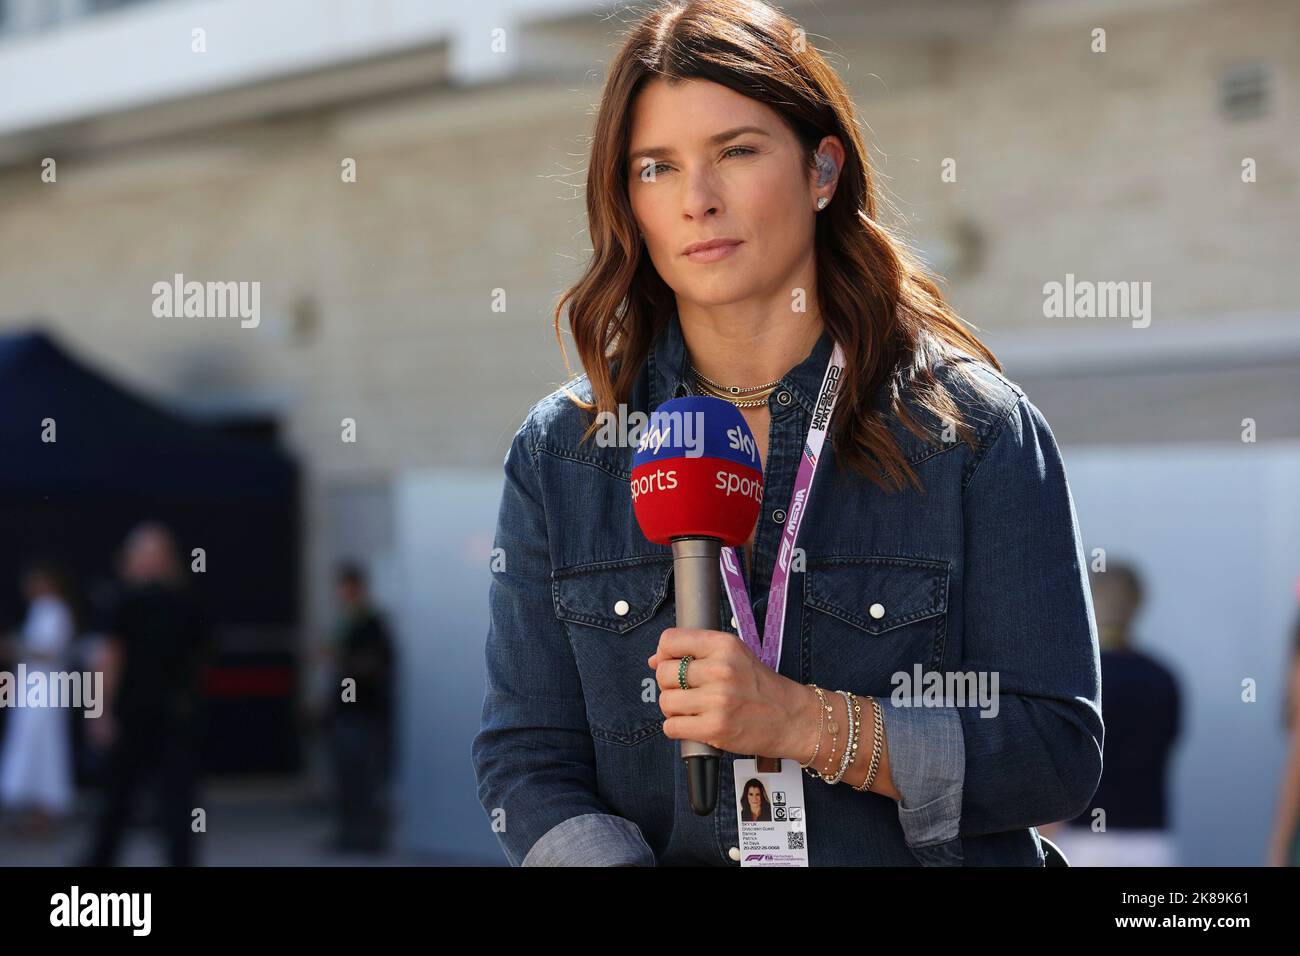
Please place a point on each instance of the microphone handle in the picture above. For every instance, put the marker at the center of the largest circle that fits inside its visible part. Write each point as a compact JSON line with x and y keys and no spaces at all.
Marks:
{"x":696,"y":580}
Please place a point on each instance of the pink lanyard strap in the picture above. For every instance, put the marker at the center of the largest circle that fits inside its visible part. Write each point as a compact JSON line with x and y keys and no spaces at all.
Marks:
{"x":769,"y":650}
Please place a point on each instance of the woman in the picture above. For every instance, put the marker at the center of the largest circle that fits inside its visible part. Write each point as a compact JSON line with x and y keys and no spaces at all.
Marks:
{"x":755,"y":806}
{"x":36,"y":761}
{"x":736,"y":252}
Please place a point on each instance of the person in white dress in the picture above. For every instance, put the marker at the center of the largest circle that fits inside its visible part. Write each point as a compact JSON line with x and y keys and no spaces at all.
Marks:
{"x":36,"y":751}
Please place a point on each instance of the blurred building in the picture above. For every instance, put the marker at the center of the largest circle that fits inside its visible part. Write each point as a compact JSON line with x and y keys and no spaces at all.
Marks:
{"x":211,"y":139}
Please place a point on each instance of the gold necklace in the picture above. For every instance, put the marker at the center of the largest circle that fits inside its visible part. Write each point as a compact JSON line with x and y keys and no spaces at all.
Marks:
{"x":753,"y":402}
{"x":755,"y":395}
{"x":733,"y":389}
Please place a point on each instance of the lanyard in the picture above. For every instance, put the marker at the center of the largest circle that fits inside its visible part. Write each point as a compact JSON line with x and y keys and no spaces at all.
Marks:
{"x":769,"y":650}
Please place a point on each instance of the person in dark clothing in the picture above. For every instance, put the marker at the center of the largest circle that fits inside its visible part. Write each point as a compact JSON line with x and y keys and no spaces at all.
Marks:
{"x":1140,"y":706}
{"x":157,"y":640}
{"x":1143,"y":705}
{"x":361,"y":717}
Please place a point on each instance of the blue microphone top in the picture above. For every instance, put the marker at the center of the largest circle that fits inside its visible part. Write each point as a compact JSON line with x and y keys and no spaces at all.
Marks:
{"x":697,"y":426}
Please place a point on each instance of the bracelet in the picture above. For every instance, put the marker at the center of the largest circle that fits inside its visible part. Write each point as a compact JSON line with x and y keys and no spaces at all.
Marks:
{"x":830,"y":759}
{"x":826,"y":715}
{"x":866,"y":783}
{"x":877,"y":743}
{"x":821,"y":722}
{"x":851,"y":744}
{"x":857,"y":728}
{"x":878,"y":734}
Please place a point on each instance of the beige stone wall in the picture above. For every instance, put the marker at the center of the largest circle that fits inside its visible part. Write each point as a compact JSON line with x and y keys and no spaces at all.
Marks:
{"x":1112,"y":166}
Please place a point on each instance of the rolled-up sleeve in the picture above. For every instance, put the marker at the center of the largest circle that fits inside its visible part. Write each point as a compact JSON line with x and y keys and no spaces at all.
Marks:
{"x":593,"y":839}
{"x":1035,"y":757}
{"x":533,"y":755}
{"x":928,"y":765}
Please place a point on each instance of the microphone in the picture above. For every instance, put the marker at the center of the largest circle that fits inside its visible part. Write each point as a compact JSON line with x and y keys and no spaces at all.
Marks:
{"x":697,"y":485}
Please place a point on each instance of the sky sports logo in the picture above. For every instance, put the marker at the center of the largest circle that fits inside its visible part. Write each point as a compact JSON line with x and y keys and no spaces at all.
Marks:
{"x":654,"y":439}
{"x":740,"y":440}
{"x":725,"y":481}
{"x":134,"y":910}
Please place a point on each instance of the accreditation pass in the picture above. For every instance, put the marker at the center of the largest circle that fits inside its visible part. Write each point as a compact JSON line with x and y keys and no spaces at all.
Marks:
{"x":771,"y":816}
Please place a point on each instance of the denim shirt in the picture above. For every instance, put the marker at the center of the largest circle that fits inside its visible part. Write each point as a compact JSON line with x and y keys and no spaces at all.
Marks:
{"x":982,"y":573}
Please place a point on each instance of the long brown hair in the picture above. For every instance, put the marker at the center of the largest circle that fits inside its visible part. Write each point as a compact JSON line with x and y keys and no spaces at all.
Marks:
{"x":877,"y":300}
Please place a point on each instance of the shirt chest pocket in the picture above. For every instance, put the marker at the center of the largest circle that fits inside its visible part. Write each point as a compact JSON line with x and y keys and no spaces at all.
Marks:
{"x":868,"y":618}
{"x":615,"y":612}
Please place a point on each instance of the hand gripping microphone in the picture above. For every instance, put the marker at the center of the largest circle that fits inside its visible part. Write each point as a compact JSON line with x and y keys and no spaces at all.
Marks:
{"x":697,"y":484}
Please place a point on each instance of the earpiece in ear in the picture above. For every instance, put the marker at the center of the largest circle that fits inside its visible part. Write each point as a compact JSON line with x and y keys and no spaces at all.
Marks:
{"x":826,"y":169}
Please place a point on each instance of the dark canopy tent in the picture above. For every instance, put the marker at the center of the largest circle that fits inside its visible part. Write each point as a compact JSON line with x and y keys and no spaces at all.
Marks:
{"x":117,"y":459}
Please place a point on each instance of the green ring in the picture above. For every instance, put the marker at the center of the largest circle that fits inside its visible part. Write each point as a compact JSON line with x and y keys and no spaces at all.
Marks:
{"x":681,"y":672}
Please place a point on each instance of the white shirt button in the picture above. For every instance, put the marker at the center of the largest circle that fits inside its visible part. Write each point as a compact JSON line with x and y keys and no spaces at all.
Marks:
{"x":621,"y":608}
{"x":734,"y":853}
{"x":733,"y":621}
{"x":877,"y":611}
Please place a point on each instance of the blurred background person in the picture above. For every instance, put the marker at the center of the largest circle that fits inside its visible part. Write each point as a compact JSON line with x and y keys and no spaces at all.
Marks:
{"x":156,"y":642}
{"x":360,"y":717}
{"x":35,"y":756}
{"x":1141,"y":710}
{"x":1284,"y":843}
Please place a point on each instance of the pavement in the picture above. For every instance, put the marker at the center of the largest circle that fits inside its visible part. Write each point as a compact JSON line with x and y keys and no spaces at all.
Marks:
{"x":272,"y":821}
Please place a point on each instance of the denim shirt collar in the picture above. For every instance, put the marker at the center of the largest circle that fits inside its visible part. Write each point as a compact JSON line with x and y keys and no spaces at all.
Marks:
{"x":668,"y":372}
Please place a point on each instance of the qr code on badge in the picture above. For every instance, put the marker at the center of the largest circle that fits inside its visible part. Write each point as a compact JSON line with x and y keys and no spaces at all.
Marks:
{"x":794,"y":840}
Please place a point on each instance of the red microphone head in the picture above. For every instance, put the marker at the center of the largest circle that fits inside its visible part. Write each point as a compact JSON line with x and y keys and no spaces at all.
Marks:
{"x":696,"y":473}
